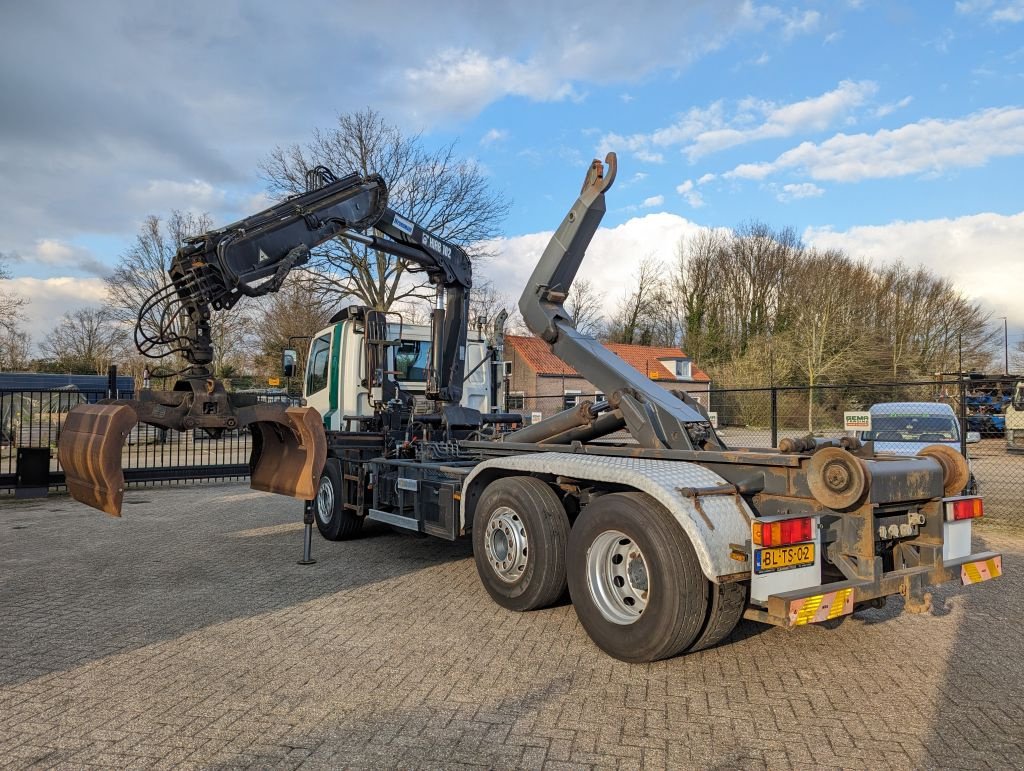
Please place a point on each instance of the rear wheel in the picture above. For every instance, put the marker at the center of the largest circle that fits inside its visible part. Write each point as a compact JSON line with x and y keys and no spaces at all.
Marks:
{"x":520,"y":530}
{"x":635,"y":580}
{"x":725,"y":609}
{"x":333,"y":520}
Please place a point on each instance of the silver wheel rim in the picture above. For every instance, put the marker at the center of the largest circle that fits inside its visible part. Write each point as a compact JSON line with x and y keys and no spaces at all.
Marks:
{"x":325,"y":501}
{"x":506,"y":544}
{"x":617,"y":577}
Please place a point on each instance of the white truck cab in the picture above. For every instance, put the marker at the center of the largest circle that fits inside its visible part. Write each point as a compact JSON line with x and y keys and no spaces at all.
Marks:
{"x":335,"y":378}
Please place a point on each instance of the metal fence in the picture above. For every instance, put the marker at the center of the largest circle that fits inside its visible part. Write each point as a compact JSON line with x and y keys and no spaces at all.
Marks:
{"x":761,"y":417}
{"x":33,"y":419}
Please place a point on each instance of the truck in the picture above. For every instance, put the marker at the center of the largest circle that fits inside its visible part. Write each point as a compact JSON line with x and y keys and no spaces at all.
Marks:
{"x":663,"y":541}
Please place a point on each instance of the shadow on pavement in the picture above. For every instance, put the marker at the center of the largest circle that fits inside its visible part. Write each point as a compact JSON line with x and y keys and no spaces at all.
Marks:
{"x":76,"y":585}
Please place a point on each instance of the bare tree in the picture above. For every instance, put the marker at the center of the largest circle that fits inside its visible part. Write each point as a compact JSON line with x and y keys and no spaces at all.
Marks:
{"x":297,"y":310}
{"x":15,"y":349}
{"x":87,"y":340}
{"x":644,"y":316}
{"x":826,"y":338}
{"x":448,"y":196}
{"x":584,"y":303}
{"x":697,"y":295}
{"x":11,"y":304}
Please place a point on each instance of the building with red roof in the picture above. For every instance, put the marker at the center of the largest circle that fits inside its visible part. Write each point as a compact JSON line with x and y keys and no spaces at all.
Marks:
{"x":541,"y":382}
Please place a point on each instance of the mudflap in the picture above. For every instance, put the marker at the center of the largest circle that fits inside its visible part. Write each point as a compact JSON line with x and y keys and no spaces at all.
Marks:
{"x":288,"y":453}
{"x":89,"y":451}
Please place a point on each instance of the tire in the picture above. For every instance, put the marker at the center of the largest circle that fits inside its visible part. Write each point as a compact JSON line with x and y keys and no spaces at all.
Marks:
{"x":333,"y":520}
{"x":520,"y":531}
{"x":725,"y":609}
{"x":655,"y":605}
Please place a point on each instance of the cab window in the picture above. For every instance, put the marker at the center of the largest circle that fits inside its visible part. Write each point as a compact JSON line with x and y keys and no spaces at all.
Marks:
{"x":319,"y":353}
{"x":412,"y":359}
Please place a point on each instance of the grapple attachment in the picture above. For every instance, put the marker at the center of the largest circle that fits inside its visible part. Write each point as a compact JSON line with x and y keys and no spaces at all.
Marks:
{"x":288,"y":454}
{"x":89,"y":451}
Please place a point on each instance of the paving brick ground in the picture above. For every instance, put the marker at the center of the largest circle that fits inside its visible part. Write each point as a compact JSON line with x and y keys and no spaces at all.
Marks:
{"x":184,"y":634}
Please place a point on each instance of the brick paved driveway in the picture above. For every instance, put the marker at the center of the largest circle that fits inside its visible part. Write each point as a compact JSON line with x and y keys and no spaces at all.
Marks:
{"x":185,"y":634}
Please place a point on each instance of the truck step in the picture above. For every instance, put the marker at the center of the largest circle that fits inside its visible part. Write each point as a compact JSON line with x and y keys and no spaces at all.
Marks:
{"x":388,"y":518}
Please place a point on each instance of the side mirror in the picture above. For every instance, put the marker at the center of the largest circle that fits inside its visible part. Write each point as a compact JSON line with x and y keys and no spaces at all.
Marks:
{"x":289,"y":359}
{"x":973,"y":437}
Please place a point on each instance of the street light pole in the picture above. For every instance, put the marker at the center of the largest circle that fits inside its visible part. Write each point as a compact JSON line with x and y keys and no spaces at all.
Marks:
{"x":1006,"y":349}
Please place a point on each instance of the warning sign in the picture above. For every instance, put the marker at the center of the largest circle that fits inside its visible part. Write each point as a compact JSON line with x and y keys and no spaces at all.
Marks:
{"x":857,"y":421}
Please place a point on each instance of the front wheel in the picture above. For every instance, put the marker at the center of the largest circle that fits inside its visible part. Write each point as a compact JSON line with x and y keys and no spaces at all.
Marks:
{"x":333,"y":520}
{"x":635,"y":580}
{"x":520,"y":530}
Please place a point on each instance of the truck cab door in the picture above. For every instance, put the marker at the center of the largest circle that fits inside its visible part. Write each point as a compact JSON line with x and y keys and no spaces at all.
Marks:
{"x":317,"y":388}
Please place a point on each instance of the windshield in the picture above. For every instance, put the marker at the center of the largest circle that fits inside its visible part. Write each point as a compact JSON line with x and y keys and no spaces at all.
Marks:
{"x":912,"y":428}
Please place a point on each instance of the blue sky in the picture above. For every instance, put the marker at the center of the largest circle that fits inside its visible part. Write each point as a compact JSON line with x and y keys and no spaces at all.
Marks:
{"x":892,"y":129}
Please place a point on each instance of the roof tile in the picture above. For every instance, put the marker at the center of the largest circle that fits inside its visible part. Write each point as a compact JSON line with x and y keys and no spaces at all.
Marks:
{"x":643,"y":358}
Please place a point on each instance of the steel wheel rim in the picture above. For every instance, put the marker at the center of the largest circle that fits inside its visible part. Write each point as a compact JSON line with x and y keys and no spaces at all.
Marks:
{"x":506,"y":544}
{"x":325,"y":501}
{"x":617,"y":577}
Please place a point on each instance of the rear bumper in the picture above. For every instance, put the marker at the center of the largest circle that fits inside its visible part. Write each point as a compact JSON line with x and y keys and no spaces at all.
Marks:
{"x":828,"y":601}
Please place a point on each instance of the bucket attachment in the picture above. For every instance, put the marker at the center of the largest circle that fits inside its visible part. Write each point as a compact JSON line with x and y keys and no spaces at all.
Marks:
{"x":288,"y":455}
{"x":89,"y":451}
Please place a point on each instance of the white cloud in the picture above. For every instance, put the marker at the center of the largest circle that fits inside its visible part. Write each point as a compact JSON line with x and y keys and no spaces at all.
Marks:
{"x":814,"y":114}
{"x":646,"y":156}
{"x":949,"y":247}
{"x":56,"y":254}
{"x":928,"y":146}
{"x":692,"y":197}
{"x":801,"y":24}
{"x":196,"y":195}
{"x":887,"y":109}
{"x":795,"y":191}
{"x":705,"y":178}
{"x":493,"y":136}
{"x":50,"y":298}
{"x":1006,"y":11}
{"x":610,"y":260}
{"x":654,"y":200}
{"x":708,"y":130}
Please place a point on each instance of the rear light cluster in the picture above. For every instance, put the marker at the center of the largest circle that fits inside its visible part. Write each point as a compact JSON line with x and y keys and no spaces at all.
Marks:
{"x":964,"y":508}
{"x":783,"y":532}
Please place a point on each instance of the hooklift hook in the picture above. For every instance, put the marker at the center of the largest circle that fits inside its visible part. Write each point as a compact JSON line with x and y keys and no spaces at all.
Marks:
{"x":307,"y":535}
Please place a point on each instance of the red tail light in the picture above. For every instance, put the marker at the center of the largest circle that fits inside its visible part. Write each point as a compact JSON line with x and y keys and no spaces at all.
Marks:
{"x":964,"y":508}
{"x":782,"y":532}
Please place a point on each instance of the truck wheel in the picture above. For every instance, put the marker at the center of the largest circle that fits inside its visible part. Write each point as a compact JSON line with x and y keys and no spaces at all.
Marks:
{"x":520,"y":530}
{"x":725,"y":609}
{"x":634,"y":579}
{"x":333,"y":520}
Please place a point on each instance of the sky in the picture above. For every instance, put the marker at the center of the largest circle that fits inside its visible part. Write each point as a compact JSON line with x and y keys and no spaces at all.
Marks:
{"x":894,"y":130}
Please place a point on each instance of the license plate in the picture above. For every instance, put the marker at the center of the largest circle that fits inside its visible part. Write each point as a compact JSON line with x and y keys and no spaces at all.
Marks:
{"x":783,"y":557}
